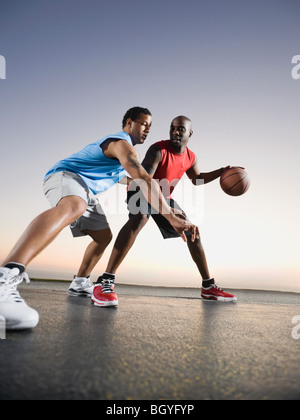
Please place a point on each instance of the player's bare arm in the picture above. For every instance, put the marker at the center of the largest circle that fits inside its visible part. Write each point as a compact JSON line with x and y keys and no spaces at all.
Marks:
{"x":125,"y":181}
{"x":152,"y":159}
{"x":198,"y":178}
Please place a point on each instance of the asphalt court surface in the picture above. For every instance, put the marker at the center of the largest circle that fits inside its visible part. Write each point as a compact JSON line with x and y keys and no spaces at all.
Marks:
{"x":158,"y":344}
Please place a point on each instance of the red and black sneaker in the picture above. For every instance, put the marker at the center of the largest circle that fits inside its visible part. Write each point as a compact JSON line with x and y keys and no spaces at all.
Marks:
{"x":215,"y":293}
{"x":104,"y":295}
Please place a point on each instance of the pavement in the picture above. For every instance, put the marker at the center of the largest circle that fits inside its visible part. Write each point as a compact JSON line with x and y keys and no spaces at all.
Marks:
{"x":159,"y":344}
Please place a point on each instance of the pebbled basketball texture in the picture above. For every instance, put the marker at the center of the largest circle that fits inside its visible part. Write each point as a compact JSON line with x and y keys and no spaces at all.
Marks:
{"x":235,"y":181}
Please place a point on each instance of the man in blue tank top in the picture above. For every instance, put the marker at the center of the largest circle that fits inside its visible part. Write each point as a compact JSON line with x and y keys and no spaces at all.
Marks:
{"x":97,"y":171}
{"x":71,"y":187}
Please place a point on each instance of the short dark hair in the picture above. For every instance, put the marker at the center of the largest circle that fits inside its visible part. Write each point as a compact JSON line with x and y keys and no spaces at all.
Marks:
{"x":134,"y":114}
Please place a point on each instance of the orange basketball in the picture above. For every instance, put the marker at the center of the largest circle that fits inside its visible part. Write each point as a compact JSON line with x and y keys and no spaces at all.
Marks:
{"x":235,"y":181}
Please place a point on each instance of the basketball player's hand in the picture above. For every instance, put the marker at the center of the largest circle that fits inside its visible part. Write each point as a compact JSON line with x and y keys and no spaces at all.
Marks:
{"x":182,"y":226}
{"x":194,"y":231}
{"x":231,"y":167}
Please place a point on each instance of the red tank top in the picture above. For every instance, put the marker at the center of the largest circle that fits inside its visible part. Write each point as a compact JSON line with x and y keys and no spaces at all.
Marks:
{"x":172,"y":167}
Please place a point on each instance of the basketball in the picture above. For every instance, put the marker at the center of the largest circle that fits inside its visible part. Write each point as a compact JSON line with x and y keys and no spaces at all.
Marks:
{"x":235,"y":181}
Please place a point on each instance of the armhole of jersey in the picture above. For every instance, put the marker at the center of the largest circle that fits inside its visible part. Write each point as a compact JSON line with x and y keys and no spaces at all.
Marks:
{"x":111,"y":139}
{"x":195,"y":158}
{"x":162,"y":150}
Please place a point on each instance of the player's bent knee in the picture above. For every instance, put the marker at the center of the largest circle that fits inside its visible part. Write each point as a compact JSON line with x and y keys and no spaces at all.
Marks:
{"x":140,"y":220}
{"x":108,"y":237}
{"x":101,"y":237}
{"x":73,"y":206}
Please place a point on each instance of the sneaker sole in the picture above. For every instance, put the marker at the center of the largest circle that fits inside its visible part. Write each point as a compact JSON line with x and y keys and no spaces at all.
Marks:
{"x":73,"y":293}
{"x":219,"y":299}
{"x":105,"y":304}
{"x":22,"y":325}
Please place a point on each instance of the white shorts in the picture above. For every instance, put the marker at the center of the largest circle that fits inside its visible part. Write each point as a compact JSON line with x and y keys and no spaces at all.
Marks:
{"x":64,"y":184}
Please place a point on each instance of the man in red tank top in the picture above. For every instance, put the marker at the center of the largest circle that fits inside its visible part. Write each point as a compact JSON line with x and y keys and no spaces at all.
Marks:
{"x":172,"y":165}
{"x":167,"y":161}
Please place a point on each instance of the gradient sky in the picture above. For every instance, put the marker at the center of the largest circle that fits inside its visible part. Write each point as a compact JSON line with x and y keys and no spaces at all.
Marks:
{"x":75,"y":66}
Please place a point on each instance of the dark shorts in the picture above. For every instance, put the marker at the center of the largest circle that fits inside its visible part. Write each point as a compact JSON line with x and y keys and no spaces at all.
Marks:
{"x":137,"y":204}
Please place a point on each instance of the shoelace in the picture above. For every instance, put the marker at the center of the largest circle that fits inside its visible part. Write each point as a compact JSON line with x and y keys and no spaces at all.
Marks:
{"x":9,"y":280}
{"x":107,"y":286}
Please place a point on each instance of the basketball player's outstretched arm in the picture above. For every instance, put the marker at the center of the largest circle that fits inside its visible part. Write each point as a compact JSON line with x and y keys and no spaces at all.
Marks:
{"x":200,"y":178}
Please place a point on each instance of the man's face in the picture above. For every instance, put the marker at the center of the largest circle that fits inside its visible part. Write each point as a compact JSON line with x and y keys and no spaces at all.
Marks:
{"x":140,"y":129}
{"x":180,"y":132}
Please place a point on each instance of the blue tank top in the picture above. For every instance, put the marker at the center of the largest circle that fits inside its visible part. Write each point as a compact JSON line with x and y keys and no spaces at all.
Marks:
{"x":98,"y":171}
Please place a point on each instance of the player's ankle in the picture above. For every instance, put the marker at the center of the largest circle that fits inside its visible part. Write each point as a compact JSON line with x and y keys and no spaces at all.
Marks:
{"x":12,"y":265}
{"x":106,"y":276}
{"x":208,"y":283}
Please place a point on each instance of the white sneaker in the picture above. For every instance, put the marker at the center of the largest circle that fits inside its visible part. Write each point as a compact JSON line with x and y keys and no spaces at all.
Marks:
{"x":81,"y":286}
{"x":16,"y":313}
